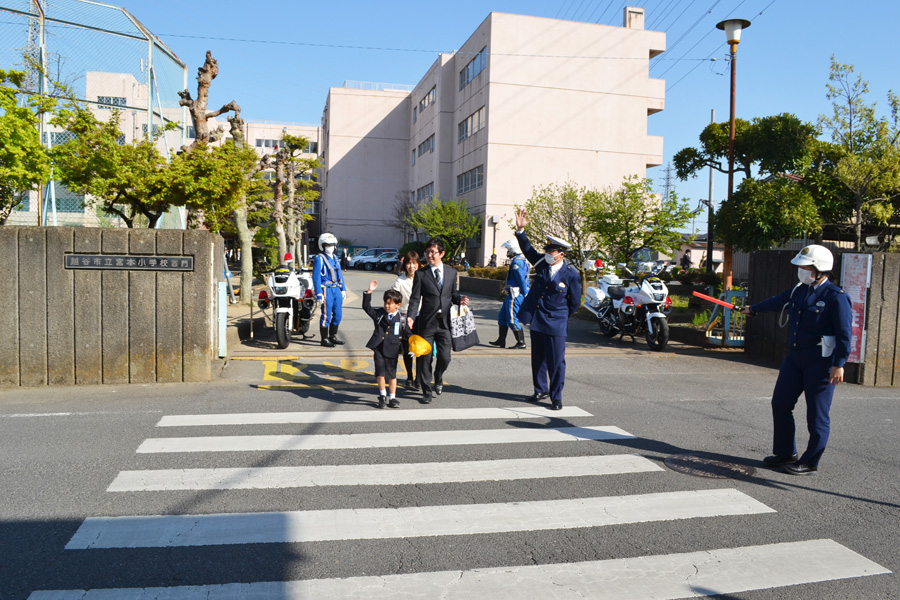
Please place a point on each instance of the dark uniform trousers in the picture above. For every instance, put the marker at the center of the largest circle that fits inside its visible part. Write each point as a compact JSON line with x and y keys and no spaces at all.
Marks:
{"x":548,"y":360}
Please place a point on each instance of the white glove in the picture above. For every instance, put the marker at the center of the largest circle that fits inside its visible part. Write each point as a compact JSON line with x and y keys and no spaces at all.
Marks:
{"x":320,"y":298}
{"x":411,"y":355}
{"x":343,"y":294}
{"x":514,"y":292}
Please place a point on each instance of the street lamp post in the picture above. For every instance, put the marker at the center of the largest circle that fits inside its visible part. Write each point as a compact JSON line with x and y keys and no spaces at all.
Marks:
{"x":732,"y":29}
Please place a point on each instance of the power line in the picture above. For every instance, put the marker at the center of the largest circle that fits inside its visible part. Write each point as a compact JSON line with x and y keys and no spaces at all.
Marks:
{"x":561,"y":8}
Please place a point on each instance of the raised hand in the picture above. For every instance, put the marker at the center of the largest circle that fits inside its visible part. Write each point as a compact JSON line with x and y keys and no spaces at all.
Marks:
{"x":521,"y":219}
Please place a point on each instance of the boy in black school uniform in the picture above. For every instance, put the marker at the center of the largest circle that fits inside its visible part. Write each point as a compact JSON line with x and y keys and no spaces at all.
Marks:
{"x":390,"y":329}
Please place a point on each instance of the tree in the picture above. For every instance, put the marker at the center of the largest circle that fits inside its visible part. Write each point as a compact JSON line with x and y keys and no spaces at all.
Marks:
{"x":289,"y":164}
{"x":24,"y":163}
{"x":564,"y":210}
{"x":763,"y":214}
{"x":449,"y":221}
{"x":633,"y":217}
{"x":868,"y":163}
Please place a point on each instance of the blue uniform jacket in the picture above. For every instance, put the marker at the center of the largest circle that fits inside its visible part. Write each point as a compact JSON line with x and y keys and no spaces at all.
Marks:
{"x":518,"y":275}
{"x":322,"y":275}
{"x":813,"y":313}
{"x":549,"y":304}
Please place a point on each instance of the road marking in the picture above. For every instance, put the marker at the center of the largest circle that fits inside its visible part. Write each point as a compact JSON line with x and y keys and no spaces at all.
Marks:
{"x":249,"y":443}
{"x":414,"y":521}
{"x":369,"y":416}
{"x":378,"y":474}
{"x":78,"y":414}
{"x":659,"y":577}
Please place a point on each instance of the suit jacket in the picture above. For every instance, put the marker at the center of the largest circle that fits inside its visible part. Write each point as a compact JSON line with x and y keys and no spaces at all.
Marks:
{"x":425,"y":288}
{"x":549,"y":303}
{"x":387,"y":335}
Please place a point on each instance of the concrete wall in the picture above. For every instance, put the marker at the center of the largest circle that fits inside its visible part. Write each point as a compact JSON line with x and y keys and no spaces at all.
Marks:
{"x":72,"y":326}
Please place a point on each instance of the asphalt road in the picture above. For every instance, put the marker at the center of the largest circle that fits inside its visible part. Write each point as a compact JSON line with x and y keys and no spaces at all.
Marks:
{"x":65,"y":453}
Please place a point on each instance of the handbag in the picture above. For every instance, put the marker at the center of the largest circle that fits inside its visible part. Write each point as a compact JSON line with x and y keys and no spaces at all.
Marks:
{"x":462,"y":329}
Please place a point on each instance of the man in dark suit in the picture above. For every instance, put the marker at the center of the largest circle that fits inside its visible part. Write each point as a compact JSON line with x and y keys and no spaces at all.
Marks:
{"x":554,"y":296}
{"x":435,"y":286}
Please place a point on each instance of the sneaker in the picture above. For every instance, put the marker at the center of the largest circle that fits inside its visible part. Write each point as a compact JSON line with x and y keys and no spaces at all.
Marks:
{"x":382,"y":401}
{"x":394,"y":403}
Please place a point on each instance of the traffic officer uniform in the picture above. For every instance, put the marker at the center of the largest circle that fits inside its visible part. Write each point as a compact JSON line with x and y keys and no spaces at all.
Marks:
{"x":328,"y":282}
{"x":516,"y":290}
{"x":819,"y":339}
{"x":552,"y":299}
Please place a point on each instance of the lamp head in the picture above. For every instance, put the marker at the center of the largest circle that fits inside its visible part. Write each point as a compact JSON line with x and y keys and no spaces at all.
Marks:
{"x":732,"y":29}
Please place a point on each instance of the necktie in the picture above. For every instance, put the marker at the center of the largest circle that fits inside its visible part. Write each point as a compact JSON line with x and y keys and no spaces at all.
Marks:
{"x":438,"y":277}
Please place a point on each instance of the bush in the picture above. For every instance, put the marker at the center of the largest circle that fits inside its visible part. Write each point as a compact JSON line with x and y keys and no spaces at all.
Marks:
{"x":413,"y":246}
{"x":499,"y":273}
{"x":713,"y":279}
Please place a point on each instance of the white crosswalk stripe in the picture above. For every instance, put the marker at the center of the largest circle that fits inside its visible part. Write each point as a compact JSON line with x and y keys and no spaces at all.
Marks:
{"x":660,"y":577}
{"x":258,"y":443}
{"x":378,"y":474}
{"x":680,"y":575}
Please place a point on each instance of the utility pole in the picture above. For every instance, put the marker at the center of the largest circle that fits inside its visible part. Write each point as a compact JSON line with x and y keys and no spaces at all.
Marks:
{"x":709,"y":227}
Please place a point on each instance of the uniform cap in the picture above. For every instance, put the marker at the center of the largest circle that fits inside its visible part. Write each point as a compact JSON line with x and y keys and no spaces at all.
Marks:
{"x":555,"y":243}
{"x":816,"y":256}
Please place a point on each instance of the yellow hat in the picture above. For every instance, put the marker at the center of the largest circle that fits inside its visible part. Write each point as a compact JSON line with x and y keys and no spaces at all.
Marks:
{"x":418,"y":345}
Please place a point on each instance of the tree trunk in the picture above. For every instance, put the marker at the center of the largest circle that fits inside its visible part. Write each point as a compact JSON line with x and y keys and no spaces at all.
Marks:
{"x":245,"y":238}
{"x":278,"y":210}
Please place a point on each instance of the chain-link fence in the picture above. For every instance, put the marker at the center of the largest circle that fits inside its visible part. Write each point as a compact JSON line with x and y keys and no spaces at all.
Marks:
{"x":108,"y":60}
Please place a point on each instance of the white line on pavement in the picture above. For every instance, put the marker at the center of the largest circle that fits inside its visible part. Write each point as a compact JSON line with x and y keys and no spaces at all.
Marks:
{"x":377,"y":474}
{"x":415,"y":521}
{"x":658,"y":577}
{"x":369,"y":416}
{"x":248,"y":443}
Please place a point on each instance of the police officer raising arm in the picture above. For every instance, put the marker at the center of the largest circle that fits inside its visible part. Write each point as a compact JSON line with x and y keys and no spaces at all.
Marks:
{"x":819,"y":345}
{"x":554,"y":296}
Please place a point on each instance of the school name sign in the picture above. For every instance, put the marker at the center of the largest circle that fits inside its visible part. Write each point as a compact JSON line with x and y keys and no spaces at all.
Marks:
{"x":129,"y":262}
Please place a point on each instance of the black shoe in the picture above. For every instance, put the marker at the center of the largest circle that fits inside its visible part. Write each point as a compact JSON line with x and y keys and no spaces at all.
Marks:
{"x":556,"y":405}
{"x":498,"y":343}
{"x":327,"y":343}
{"x":778,"y":460}
{"x":438,"y":388}
{"x":426,"y":399}
{"x":799,"y":468}
{"x":520,"y":339}
{"x":410,"y":384}
{"x":332,"y":335}
{"x":394,"y":403}
{"x":382,"y":401}
{"x":535,"y":397}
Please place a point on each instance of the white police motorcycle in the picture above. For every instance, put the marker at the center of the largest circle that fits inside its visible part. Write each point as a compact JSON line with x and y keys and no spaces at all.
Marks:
{"x":632,"y":310}
{"x":291,"y":297}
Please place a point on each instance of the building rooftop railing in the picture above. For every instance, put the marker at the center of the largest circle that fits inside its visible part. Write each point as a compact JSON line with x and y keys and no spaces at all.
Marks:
{"x":377,"y":87}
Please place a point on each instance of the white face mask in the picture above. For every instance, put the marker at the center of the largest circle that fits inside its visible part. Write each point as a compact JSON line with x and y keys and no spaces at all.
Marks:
{"x":805,"y":276}
{"x":551,"y":260}
{"x":329,"y":250}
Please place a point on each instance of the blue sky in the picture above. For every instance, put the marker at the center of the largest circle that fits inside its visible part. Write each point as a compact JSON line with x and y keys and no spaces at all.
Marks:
{"x":277,"y":59}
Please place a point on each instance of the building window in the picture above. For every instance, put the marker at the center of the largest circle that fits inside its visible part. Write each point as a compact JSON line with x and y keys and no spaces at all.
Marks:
{"x":110,"y":102}
{"x":24,"y":202}
{"x":192,"y":132}
{"x":470,"y":180}
{"x":57,"y":138}
{"x":427,"y":100}
{"x":312,"y":148}
{"x":413,"y":158}
{"x":156,"y":130}
{"x":474,"y":123}
{"x":415,"y":109}
{"x":475,"y":66}
{"x":426,"y":192}
{"x":427,"y":145}
{"x":259,"y":143}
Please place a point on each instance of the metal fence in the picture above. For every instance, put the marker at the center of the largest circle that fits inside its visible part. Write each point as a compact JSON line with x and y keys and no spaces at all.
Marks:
{"x":109,"y":60}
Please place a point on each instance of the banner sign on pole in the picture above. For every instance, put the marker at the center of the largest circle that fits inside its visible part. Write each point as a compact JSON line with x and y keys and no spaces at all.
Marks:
{"x":856,"y":277}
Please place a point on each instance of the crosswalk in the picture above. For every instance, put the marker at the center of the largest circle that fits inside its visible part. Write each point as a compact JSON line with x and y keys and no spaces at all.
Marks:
{"x":701,"y":572}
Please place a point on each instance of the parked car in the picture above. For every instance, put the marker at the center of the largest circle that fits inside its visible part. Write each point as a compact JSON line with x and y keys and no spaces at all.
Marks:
{"x":388,"y":261}
{"x":367,"y":259}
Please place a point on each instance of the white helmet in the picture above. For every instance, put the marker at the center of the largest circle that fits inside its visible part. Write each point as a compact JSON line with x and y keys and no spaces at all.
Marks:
{"x":327,"y":239}
{"x":815,"y":256}
{"x":512,"y":247}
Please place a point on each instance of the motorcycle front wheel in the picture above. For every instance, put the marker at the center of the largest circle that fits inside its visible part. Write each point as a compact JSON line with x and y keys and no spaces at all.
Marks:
{"x":606,"y":323}
{"x":660,"y":336}
{"x":282,"y":335}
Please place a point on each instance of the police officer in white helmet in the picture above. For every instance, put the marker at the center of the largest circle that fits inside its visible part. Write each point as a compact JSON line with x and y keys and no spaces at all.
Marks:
{"x":328,"y":283}
{"x":516,"y":290}
{"x":819,"y":345}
